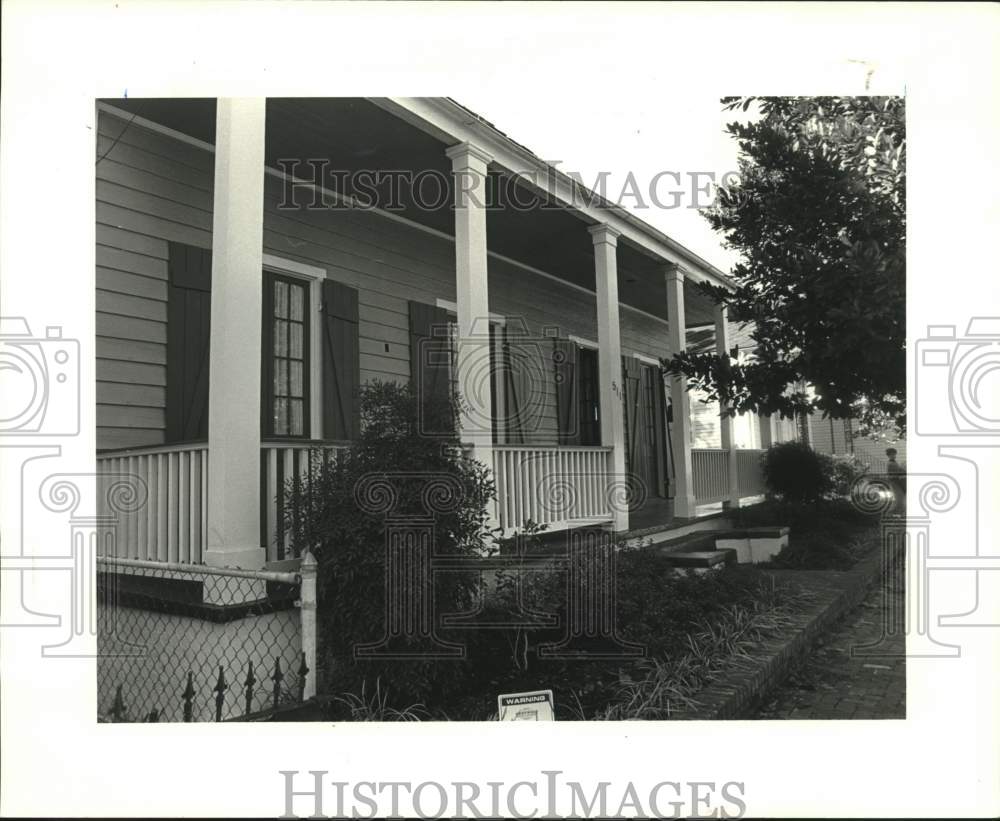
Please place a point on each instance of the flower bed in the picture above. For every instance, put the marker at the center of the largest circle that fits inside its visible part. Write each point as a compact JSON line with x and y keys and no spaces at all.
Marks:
{"x":690,"y":627}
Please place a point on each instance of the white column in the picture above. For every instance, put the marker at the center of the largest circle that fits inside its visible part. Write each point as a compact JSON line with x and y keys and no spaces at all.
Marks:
{"x":610,"y":363}
{"x":469,"y":165}
{"x":684,"y":504}
{"x":234,"y":375}
{"x":726,"y":422}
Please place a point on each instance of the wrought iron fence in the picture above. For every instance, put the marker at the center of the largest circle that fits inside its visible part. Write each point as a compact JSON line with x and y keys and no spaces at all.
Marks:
{"x":192,"y":643}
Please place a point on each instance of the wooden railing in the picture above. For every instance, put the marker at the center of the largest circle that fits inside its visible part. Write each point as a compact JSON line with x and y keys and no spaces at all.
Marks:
{"x":281,"y":461}
{"x":551,"y":485}
{"x":710,"y":474}
{"x":750,"y":476}
{"x":163,"y":517}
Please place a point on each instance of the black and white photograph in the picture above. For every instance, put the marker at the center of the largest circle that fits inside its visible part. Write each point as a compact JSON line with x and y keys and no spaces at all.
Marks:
{"x":488,"y":364}
{"x":492,"y":430}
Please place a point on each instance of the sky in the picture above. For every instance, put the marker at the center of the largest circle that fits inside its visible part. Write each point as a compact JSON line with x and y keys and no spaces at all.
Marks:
{"x":639,"y":135}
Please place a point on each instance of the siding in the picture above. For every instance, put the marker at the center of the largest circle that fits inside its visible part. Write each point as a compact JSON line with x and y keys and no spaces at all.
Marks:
{"x":152,"y":189}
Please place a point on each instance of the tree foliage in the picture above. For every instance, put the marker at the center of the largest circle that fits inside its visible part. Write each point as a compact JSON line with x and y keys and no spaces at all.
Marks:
{"x":818,"y":215}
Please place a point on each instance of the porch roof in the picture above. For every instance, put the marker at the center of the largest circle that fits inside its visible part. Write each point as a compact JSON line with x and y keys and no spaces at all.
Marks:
{"x":357,"y":134}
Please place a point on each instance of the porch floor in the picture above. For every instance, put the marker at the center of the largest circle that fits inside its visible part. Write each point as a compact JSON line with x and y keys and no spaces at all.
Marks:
{"x":654,"y":512}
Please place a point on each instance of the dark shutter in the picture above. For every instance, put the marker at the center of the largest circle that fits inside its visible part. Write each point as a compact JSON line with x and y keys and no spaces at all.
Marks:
{"x":341,"y":368}
{"x":630,"y":401}
{"x":668,"y":418}
{"x":564,"y":358}
{"x":659,"y":413}
{"x":189,"y":314}
{"x":429,"y":363}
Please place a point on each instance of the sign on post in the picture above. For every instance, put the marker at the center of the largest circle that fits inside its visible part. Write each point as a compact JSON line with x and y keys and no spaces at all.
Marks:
{"x":537,"y":705}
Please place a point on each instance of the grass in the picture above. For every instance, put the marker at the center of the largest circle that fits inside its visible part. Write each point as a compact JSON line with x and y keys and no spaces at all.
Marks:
{"x":361,"y":707}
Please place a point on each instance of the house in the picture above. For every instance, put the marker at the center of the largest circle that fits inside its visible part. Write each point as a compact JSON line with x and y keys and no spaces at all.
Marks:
{"x":258,"y":260}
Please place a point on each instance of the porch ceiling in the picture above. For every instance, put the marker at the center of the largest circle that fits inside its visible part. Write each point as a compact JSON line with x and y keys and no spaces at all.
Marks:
{"x":354,"y":135}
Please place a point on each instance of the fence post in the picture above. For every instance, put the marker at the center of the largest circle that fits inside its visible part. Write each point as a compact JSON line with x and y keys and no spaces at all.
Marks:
{"x":307,"y":598}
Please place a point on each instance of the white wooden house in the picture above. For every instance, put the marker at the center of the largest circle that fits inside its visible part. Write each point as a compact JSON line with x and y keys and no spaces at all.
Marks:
{"x":239,"y":309}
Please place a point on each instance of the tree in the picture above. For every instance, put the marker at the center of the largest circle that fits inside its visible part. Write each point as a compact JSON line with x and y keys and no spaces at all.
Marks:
{"x":818,"y":214}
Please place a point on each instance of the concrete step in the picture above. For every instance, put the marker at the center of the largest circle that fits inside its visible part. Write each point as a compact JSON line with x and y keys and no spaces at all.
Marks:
{"x":702,"y":561}
{"x":702,"y":540}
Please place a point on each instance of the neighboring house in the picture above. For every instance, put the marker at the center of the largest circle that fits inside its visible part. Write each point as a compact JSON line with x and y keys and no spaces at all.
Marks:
{"x":839,"y":437}
{"x":237,"y":314}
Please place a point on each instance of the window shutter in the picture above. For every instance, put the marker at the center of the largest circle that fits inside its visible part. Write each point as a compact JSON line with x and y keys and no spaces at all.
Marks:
{"x":341,"y":368}
{"x":670,"y":471}
{"x":513,"y":387}
{"x":567,"y":391}
{"x":430,"y":357}
{"x":659,"y":411}
{"x":631,"y":378}
{"x":189,"y":314}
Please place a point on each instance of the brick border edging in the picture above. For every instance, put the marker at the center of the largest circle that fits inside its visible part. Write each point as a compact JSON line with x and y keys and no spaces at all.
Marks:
{"x":744,"y":688}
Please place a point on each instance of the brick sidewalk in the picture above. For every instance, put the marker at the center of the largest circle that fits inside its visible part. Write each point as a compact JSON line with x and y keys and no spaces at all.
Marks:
{"x":833,"y":684}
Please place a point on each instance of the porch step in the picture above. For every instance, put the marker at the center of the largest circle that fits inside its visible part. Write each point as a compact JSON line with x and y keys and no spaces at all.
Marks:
{"x":702,"y":561}
{"x":753,"y":533}
{"x":674,"y":531}
{"x":753,"y":544}
{"x":699,"y":541}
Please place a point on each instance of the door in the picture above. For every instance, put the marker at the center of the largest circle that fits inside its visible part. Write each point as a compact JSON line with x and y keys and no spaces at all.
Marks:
{"x":645,"y":429}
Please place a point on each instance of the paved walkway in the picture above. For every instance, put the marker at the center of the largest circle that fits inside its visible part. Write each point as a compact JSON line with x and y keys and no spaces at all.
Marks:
{"x":832,"y":683}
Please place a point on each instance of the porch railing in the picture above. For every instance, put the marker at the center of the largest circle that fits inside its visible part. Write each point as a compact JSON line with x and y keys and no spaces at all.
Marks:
{"x":710,"y":474}
{"x":281,"y":461}
{"x":749,"y":472}
{"x":164,"y":518}
{"x":551,"y":485}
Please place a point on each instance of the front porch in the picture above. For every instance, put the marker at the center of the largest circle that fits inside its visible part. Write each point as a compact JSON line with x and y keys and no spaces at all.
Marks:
{"x":216,"y":386}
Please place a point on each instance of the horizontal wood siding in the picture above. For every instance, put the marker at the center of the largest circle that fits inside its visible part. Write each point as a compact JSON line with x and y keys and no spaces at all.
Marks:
{"x":152,"y":189}
{"x":706,"y":428}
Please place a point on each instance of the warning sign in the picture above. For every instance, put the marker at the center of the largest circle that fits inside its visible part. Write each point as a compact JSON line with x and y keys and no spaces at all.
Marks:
{"x":534,"y":706}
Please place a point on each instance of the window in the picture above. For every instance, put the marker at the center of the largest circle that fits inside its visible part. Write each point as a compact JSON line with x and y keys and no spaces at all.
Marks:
{"x":590,"y":401}
{"x":285,"y":359}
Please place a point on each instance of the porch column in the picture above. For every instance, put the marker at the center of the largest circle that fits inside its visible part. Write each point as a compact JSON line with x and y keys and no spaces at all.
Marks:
{"x":684,"y":503}
{"x":469,"y":165}
{"x":610,"y":362}
{"x":726,"y":422}
{"x":234,"y":358}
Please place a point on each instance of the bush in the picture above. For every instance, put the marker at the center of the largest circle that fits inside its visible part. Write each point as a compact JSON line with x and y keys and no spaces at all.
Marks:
{"x":795,"y":472}
{"x":843,"y":472}
{"x":329,"y":516}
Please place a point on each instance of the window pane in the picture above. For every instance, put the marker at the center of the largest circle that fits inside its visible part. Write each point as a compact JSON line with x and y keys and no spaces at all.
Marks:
{"x":295,"y":423}
{"x":295,"y":379}
{"x":280,"y":337}
{"x":280,"y":377}
{"x":281,"y":416}
{"x":280,"y":298}
{"x":295,"y":340}
{"x":296,"y":298}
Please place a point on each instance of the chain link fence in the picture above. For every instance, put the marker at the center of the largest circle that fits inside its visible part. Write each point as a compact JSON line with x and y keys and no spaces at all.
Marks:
{"x":193,"y":643}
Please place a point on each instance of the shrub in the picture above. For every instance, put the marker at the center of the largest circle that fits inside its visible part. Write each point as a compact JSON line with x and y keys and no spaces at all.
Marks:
{"x":795,"y":472}
{"x":843,"y":472}
{"x":329,"y":515}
